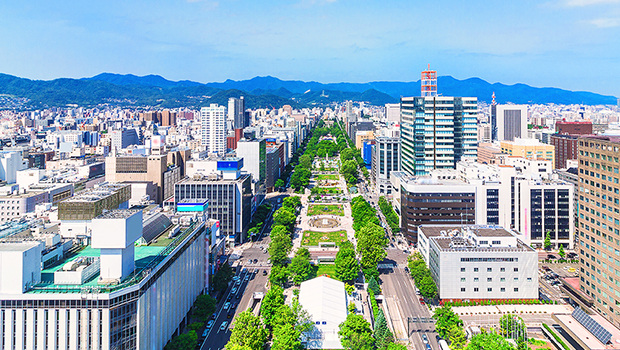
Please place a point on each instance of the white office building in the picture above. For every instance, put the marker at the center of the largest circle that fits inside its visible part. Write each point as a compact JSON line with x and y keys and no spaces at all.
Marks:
{"x":385,"y":159}
{"x":511,"y":122}
{"x":479,"y":262}
{"x":120,"y":296}
{"x":10,"y":163}
{"x":213,"y":128}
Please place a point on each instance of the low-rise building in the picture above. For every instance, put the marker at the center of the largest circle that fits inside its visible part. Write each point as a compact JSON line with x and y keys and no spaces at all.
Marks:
{"x":479,"y":262}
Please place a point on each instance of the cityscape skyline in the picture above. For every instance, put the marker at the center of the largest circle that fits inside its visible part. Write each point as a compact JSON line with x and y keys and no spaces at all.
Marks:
{"x":329,"y":41}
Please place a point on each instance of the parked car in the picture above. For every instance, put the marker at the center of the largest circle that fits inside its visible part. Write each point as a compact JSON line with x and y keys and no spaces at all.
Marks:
{"x":234,"y":290}
{"x":422,"y":301}
{"x":255,"y":261}
{"x":226,"y":305}
{"x":223,"y":326}
{"x":210,"y":324}
{"x":205,"y":333}
{"x":264,"y":272}
{"x":424,"y":339}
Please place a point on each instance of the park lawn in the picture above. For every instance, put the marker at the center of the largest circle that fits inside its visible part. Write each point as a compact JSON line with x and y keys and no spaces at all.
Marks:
{"x":326,"y":190}
{"x":312,"y":238}
{"x":325,"y":269}
{"x":327,"y":177}
{"x":319,"y":209}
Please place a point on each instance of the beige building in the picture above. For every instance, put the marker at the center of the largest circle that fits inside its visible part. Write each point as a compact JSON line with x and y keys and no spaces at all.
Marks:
{"x":362,"y":136}
{"x":529,"y":149}
{"x":144,"y":169}
{"x":599,"y":223}
{"x":488,"y":153}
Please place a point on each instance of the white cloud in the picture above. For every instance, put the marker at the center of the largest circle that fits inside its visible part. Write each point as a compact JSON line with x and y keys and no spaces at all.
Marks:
{"x":605,"y":22}
{"x":580,"y":3}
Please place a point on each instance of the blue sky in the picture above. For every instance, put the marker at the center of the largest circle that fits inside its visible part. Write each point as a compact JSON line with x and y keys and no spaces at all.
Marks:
{"x":570,"y":44}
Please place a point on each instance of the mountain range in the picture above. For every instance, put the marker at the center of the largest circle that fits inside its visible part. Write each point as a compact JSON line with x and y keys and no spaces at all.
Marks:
{"x":267,"y":92}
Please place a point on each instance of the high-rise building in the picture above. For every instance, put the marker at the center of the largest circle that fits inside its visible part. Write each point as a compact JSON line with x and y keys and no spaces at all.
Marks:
{"x":213,"y":128}
{"x":437,"y":132}
{"x":511,"y":122}
{"x":229,"y":195}
{"x":236,"y":112}
{"x":392,"y":112}
{"x":599,"y":223}
{"x":168,"y":118}
{"x":493,"y":119}
{"x":253,"y":153}
{"x":565,"y":147}
{"x":385,"y":159}
{"x":124,"y":138}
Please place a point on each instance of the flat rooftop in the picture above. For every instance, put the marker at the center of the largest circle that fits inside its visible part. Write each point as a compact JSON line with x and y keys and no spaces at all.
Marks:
{"x":462,"y":245}
{"x":568,"y":322}
{"x":95,"y":194}
{"x":147,"y":258}
{"x":117,"y":214}
{"x":480,"y":231}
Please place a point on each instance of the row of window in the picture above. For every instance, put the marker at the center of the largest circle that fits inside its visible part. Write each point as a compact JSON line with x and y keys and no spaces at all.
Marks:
{"x":490,"y":289}
{"x":490,"y":279}
{"x":489,"y":269}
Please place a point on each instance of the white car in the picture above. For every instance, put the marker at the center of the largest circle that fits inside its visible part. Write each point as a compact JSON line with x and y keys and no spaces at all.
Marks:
{"x":223,"y":326}
{"x":226,"y":305}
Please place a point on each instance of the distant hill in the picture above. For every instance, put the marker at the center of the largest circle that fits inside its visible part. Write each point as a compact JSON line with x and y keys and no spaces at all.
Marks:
{"x":266,"y":92}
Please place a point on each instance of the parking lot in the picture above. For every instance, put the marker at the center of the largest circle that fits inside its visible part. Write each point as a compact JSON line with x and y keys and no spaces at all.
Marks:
{"x":550,"y":272}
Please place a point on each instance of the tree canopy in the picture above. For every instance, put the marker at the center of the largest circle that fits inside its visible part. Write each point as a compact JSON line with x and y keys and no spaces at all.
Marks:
{"x":248,"y":330}
{"x":355,"y":333}
{"x":347,"y":266}
{"x":300,"y":268}
{"x":270,"y":304}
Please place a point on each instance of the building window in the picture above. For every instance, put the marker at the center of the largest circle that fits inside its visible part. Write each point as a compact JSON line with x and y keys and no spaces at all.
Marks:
{"x":475,"y":289}
{"x":475,"y":279}
{"x":529,"y":279}
{"x":496,"y":242}
{"x":489,"y":269}
{"x":462,"y":289}
{"x":516,"y":269}
{"x":502,"y":290}
{"x":462,"y":279}
{"x":475,"y":269}
{"x":502,"y":279}
{"x":516,"y":289}
{"x":489,"y":289}
{"x":462,"y":269}
{"x":489,"y":279}
{"x":516,"y":279}
{"x":503,"y":269}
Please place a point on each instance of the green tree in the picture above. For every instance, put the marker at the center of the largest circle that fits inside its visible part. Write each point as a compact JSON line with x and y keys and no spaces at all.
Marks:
{"x":457,"y":337}
{"x":351,"y":308}
{"x":285,"y":217}
{"x":222,"y":277}
{"x":286,"y":337}
{"x":346,"y":154}
{"x":305,"y":161}
{"x":347,"y":267}
{"x":279,"y":247}
{"x":185,"y":341}
{"x":195,"y":326}
{"x":300,"y":268}
{"x":395,"y":346}
{"x":271,"y":302}
{"x":355,"y":333}
{"x":204,"y":307}
{"x":489,"y":341}
{"x":512,"y":326}
{"x":383,"y":335}
{"x":371,"y":243}
{"x":292,"y":202}
{"x":561,"y":252}
{"x":547,"y":244}
{"x":278,"y":275}
{"x":279,"y":183}
{"x":445,"y":318}
{"x":427,"y":286}
{"x":373,"y":285}
{"x":248,"y":331}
